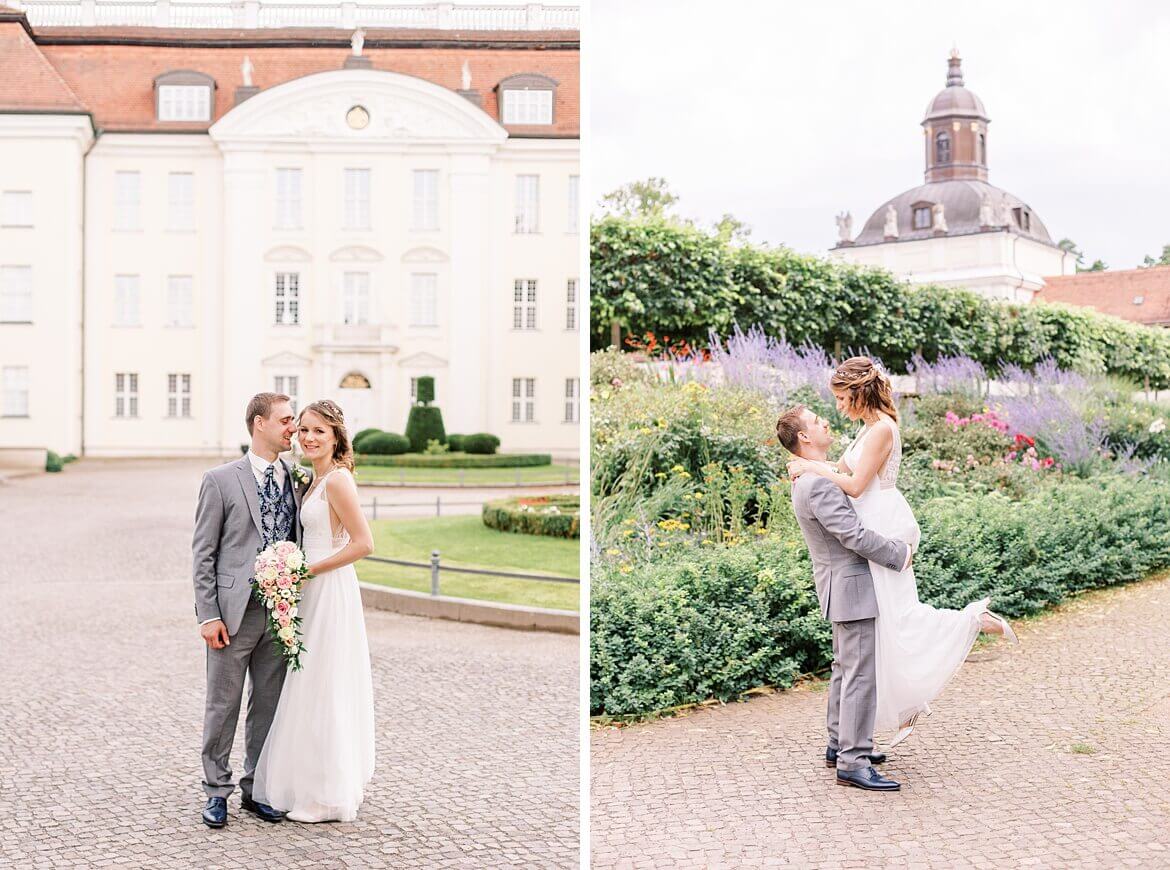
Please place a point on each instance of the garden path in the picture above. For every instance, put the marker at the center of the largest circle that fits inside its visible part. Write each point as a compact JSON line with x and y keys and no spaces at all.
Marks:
{"x":1050,"y":754}
{"x":101,"y":688}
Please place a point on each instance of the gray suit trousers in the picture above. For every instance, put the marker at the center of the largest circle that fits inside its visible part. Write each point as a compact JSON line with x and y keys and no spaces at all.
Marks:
{"x":853,"y":693}
{"x":251,"y":652}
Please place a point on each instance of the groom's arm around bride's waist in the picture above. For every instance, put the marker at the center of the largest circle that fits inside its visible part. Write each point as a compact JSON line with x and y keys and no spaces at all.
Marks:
{"x":835,"y":513}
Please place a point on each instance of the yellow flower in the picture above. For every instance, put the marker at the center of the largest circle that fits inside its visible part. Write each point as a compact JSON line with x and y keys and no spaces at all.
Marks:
{"x":612,"y":552}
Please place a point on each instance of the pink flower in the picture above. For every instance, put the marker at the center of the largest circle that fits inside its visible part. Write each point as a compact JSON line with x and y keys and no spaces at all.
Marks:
{"x":285,"y":547}
{"x":284,"y":619}
{"x":282,"y":607}
{"x":284,"y":581}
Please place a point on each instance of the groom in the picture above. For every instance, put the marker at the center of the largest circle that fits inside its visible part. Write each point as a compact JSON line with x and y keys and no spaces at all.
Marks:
{"x":841,"y":550}
{"x":244,"y":506}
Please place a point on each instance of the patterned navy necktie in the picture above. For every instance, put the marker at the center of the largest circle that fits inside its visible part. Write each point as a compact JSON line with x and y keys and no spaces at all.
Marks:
{"x":269,"y":499}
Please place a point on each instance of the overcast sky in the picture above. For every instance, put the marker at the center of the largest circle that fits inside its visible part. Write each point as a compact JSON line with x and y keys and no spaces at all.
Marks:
{"x":785,"y":113}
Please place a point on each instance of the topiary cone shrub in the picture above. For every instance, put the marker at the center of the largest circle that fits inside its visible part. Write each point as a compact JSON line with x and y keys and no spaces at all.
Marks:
{"x":425,"y":422}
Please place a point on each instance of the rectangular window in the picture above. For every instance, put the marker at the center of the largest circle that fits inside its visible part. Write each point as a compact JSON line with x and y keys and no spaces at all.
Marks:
{"x":572,"y":400}
{"x":288,"y":199}
{"x":571,"y":304}
{"x":181,"y":201}
{"x":424,"y":300}
{"x":355,"y":294}
{"x":527,"y":203}
{"x":574,"y":203}
{"x":524,"y":303}
{"x":922,"y":216}
{"x":426,"y":199}
{"x":16,"y":300}
{"x":357,"y":199}
{"x":15,"y":392}
{"x":126,"y":300}
{"x":288,"y":385}
{"x":528,"y":107}
{"x":16,"y":208}
{"x":178,"y":395}
{"x":523,"y":400}
{"x":126,"y":394}
{"x":180,"y":300}
{"x":184,"y":103}
{"x":288,"y":298}
{"x":127,"y":194}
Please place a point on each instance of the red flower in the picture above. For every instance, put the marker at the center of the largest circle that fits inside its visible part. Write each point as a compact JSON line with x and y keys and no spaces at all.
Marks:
{"x":1021,"y":438}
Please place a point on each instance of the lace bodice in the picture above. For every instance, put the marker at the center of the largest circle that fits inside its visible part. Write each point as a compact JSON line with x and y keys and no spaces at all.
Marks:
{"x":887,"y":476}
{"x":316,"y":520}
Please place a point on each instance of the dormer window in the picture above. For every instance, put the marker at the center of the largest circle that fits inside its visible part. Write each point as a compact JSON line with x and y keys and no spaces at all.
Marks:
{"x":942,"y":147}
{"x":1023,"y":219}
{"x":527,"y":100}
{"x":923,"y":216}
{"x":183,"y":95}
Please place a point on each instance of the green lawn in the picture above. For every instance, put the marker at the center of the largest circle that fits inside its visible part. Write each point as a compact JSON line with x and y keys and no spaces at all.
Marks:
{"x":467,"y":543}
{"x":469,"y":476}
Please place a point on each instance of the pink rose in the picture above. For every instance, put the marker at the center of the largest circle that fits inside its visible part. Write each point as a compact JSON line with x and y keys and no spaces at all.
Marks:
{"x":284,"y":619}
{"x":284,"y":581}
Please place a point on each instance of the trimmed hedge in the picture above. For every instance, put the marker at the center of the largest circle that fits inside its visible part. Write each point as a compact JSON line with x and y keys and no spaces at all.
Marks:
{"x":557,"y":516}
{"x":362,"y":435}
{"x":457,"y":460}
{"x":455,"y":442}
{"x":481,"y":442}
{"x":385,"y":444}
{"x":424,"y":424}
{"x":714,"y":622}
{"x":653,"y":275}
{"x":53,"y":462}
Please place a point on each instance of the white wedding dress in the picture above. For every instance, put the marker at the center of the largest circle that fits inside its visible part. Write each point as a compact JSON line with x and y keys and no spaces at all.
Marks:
{"x":319,"y":754}
{"x":919,"y":647}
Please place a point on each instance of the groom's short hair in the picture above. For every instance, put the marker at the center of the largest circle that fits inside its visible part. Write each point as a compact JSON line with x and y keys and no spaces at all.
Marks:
{"x":261,"y":406}
{"x":788,"y":426}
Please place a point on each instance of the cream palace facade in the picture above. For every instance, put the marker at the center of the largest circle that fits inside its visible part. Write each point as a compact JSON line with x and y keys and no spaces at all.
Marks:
{"x":246,"y":214}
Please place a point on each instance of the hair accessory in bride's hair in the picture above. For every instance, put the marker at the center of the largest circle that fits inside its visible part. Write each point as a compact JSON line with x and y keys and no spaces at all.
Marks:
{"x":332,"y":407}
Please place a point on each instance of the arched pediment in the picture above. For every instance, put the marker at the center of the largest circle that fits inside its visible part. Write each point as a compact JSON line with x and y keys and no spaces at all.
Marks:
{"x":355,"y":254}
{"x":401,"y":108}
{"x":287,"y":254}
{"x":424,"y":254}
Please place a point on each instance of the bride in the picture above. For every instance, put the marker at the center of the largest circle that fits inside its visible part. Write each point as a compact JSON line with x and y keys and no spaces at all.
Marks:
{"x":919,"y":647}
{"x":319,"y":754}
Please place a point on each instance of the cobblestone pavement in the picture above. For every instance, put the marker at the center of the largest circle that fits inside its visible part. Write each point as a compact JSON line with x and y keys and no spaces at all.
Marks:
{"x":1051,"y":754}
{"x":101,"y":707}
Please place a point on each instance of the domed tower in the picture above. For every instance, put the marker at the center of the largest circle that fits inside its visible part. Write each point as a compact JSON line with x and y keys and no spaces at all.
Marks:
{"x":956,"y":130}
{"x":957,"y":228}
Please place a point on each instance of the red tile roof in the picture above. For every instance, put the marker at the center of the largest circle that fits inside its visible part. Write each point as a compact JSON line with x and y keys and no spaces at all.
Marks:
{"x":111,"y":70}
{"x":1115,"y":293}
{"x":27,"y":79}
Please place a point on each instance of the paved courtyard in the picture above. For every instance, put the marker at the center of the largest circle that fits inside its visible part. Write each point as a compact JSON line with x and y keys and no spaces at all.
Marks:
{"x":1052,"y":754}
{"x":101,"y":706}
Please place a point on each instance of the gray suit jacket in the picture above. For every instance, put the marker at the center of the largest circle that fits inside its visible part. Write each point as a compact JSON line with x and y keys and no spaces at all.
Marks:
{"x":841,"y":549}
{"x":226,"y":540}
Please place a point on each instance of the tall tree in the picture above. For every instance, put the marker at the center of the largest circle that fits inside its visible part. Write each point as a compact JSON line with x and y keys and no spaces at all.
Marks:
{"x":650,"y":198}
{"x":1163,"y":260}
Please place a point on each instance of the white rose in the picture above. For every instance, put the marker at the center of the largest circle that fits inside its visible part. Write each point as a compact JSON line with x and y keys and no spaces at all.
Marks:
{"x":294,"y":561}
{"x":285,"y":633}
{"x":270,"y":573}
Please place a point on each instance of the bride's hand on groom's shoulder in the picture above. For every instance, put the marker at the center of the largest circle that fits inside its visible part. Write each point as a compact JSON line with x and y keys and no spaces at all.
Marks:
{"x":797,"y":467}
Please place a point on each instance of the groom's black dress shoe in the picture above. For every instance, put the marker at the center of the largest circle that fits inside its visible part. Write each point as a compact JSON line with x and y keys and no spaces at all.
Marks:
{"x":263,"y":811}
{"x":874,"y":758}
{"x":215,"y":813}
{"x":866,"y":778}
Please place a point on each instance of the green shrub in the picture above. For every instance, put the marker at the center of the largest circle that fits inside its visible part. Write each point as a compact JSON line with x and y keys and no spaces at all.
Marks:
{"x":69,"y":457}
{"x":435,"y":447}
{"x":657,"y":276}
{"x":455,"y":443}
{"x":557,"y":516}
{"x":424,"y":424}
{"x":480,"y":442}
{"x":713,"y":621}
{"x":426,"y":390}
{"x":385,"y":444}
{"x":456,"y":460}
{"x":53,"y":462}
{"x":360,"y":437}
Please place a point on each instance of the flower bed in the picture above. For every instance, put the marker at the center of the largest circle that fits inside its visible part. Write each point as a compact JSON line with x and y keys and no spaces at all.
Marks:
{"x":456,"y":460}
{"x":557,"y":516}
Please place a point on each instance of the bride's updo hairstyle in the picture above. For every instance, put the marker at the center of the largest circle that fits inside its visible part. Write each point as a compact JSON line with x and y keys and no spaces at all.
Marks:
{"x":335,"y":419}
{"x":865,"y":384}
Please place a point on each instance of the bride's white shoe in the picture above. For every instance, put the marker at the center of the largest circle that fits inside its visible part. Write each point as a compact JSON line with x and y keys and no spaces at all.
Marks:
{"x":1008,"y":633}
{"x":905,"y":731}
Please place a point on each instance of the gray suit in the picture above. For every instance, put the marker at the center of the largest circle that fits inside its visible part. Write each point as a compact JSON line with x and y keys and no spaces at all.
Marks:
{"x":841,"y":550}
{"x":224,"y":546}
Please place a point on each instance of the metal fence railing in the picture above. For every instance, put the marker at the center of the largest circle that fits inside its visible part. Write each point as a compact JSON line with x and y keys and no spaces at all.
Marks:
{"x":571,"y":477}
{"x":435,"y":569}
{"x":437,"y":504}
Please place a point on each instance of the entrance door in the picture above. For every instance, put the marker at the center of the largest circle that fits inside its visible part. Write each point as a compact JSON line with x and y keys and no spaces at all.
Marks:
{"x":356,"y":397}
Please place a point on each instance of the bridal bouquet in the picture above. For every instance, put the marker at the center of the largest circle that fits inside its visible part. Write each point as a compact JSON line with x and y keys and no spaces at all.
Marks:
{"x":281,"y":572}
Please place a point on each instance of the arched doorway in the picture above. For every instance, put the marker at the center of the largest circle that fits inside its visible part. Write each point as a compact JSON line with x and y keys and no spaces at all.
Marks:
{"x":356,"y":397}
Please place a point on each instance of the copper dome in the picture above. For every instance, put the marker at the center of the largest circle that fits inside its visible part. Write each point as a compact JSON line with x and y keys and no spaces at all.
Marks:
{"x":955,"y":101}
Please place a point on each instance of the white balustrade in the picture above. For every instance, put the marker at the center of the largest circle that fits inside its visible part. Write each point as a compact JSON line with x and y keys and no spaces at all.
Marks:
{"x":253,"y":14}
